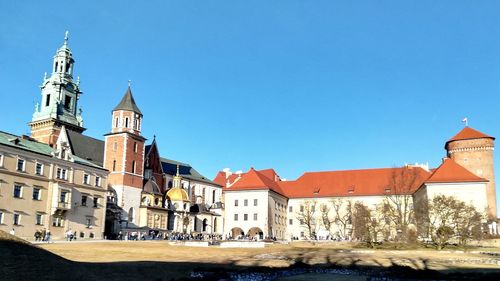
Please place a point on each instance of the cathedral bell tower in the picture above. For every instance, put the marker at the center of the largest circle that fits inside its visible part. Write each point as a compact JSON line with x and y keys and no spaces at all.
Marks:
{"x":59,"y":102}
{"x":124,"y":154}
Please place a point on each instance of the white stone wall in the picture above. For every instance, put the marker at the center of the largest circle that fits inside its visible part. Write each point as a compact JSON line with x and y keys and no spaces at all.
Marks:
{"x":128,"y":197}
{"x":277,"y":215}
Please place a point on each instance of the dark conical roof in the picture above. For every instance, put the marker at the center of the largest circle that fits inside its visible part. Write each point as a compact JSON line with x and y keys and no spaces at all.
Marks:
{"x":128,"y":103}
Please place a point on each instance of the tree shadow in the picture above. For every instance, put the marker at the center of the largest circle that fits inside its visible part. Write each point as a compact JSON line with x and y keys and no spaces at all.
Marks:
{"x":21,"y":261}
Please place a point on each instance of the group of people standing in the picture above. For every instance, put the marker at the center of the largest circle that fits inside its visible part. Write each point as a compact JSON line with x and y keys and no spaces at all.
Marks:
{"x":43,"y":235}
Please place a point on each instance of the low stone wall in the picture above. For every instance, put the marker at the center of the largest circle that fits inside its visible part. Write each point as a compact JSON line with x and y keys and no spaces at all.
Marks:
{"x":242,"y":244}
{"x":190,"y":243}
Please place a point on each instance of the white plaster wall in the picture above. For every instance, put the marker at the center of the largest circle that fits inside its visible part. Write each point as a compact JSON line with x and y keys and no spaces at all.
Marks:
{"x":261,"y":210}
{"x":129,"y":197}
{"x":295,"y":229}
{"x":471,"y":193}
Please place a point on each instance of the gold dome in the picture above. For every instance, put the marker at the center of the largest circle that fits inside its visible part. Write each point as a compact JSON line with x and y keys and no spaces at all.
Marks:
{"x":178,"y":194}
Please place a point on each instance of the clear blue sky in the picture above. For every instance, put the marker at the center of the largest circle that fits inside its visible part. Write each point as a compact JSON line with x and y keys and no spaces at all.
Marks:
{"x":294,"y":85}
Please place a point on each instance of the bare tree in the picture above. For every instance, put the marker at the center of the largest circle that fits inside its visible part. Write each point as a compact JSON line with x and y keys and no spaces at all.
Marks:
{"x":398,"y":202}
{"x":326,"y":219}
{"x":307,"y":219}
{"x":342,"y":215}
{"x":366,"y":224}
{"x":449,"y":217}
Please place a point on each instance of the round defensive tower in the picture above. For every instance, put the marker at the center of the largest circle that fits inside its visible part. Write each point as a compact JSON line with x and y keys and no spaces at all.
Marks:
{"x":474,"y":151}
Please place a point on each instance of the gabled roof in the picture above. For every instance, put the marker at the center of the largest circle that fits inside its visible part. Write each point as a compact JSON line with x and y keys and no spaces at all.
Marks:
{"x":128,"y":103}
{"x":258,"y":180}
{"x":468,"y":133}
{"x":367,"y":182}
{"x":87,"y":148}
{"x":451,"y":171}
{"x":185,"y":170}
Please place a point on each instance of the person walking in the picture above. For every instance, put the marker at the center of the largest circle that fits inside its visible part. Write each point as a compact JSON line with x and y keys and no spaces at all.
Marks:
{"x":47,"y":236}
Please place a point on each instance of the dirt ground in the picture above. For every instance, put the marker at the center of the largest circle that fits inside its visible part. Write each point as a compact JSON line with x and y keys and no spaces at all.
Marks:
{"x":275,"y":255}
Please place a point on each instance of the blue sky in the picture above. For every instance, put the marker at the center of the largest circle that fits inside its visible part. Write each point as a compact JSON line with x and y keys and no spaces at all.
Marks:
{"x":294,"y":85}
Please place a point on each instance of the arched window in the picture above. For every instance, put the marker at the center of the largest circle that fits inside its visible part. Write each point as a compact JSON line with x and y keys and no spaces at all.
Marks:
{"x":157,"y":201}
{"x":55,"y":68}
{"x":116,"y":122}
{"x":204,"y":225}
{"x":215,"y":225}
{"x":126,"y":122}
{"x":133,"y":166}
{"x":169,"y":184}
{"x":213,"y":196}
{"x":131,"y":215}
{"x":114,"y":165}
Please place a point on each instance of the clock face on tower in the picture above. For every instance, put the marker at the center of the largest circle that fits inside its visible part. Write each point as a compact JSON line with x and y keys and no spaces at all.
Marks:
{"x":70,"y":87}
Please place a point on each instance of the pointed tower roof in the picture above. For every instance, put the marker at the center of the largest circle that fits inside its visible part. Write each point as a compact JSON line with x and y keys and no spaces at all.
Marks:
{"x":468,"y":133}
{"x":128,"y":103}
{"x":451,"y":171}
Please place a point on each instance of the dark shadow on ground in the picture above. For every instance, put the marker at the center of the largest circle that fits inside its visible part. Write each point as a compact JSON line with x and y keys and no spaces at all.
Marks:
{"x":23,"y":261}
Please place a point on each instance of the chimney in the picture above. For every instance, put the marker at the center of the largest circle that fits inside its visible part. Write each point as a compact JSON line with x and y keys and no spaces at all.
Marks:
{"x":444,"y":159}
{"x":227,"y":171}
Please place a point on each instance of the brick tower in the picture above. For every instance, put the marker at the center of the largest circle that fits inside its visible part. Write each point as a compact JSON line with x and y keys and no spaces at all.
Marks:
{"x":124,"y":156}
{"x":59,"y":102}
{"x":474,"y":151}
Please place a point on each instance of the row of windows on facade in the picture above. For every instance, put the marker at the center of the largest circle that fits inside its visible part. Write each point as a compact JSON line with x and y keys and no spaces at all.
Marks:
{"x":63,"y":196}
{"x":115,"y":146}
{"x":126,"y":123}
{"x":245,"y":202}
{"x":133,"y":166}
{"x":245,"y":217}
{"x":61,"y":173}
{"x":57,"y":221}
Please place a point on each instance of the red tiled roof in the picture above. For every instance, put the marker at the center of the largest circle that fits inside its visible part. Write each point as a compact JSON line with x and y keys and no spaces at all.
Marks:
{"x":348,"y":183}
{"x":468,"y":133}
{"x":451,"y":171}
{"x":257,"y":180}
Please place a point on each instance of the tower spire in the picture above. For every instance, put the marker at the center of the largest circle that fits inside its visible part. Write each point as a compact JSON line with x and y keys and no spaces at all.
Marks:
{"x":66,"y":38}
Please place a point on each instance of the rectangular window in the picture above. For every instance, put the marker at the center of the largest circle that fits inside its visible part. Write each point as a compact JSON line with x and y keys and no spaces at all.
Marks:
{"x":245,"y":202}
{"x":47,"y":100}
{"x":97,"y":181}
{"x":84,"y":200}
{"x":39,"y":219}
{"x":39,"y":169}
{"x":17,"y":219}
{"x":302,"y":234}
{"x":255,"y":216}
{"x":89,"y":222}
{"x":18,"y":191}
{"x":96,"y":202}
{"x":58,"y":221}
{"x":63,"y":197}
{"x":133,"y":167}
{"x":36,"y":193}
{"x":115,"y":144}
{"x":301,"y":208}
{"x":1,"y":160}
{"x":235,"y":217}
{"x":301,"y":222}
{"x":236,"y":203}
{"x":135,"y":146}
{"x":290,"y":221}
{"x":1,"y":217}
{"x":255,"y":202}
{"x":86,"y":179}
{"x":290,"y":209}
{"x":61,"y":174}
{"x":245,"y":217}
{"x":21,"y":165}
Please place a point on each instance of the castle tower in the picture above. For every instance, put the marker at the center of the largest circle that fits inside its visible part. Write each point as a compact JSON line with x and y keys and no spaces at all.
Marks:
{"x":59,"y":103}
{"x":474,"y":151}
{"x":124,"y":155}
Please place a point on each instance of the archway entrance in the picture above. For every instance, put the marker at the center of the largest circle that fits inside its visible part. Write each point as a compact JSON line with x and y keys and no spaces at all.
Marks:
{"x":256,"y":232}
{"x":235,"y":232}
{"x":205,"y":225}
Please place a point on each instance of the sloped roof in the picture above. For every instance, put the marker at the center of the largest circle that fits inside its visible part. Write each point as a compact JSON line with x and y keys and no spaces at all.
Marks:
{"x":185,"y":170}
{"x":221,"y":179}
{"x":128,"y":103}
{"x":257,"y":180}
{"x":86,"y":148}
{"x":468,"y":133}
{"x":25,"y":144}
{"x":151,"y":187}
{"x":451,"y":171}
{"x":367,"y":182}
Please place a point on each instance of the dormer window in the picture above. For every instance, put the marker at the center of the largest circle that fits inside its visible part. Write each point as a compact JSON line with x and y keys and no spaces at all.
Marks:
{"x":387,"y":190}
{"x":47,"y":100}
{"x":67,"y":102}
{"x":350,"y":189}
{"x":63,"y":153}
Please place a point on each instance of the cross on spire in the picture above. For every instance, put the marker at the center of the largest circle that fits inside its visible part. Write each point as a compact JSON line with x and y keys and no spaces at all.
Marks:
{"x":66,"y":38}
